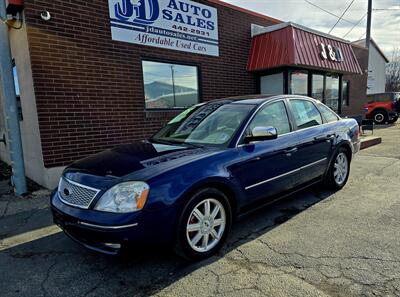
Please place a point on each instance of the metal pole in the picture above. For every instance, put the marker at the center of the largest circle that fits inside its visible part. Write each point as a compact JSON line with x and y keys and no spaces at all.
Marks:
{"x":173,"y":83}
{"x":368,"y":38}
{"x":7,"y":91}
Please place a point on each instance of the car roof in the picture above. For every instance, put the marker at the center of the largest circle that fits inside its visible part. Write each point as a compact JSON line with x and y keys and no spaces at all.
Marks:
{"x":258,"y":99}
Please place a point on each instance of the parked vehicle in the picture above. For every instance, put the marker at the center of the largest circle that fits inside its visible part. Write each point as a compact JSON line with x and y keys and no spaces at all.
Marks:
{"x":214,"y":161}
{"x":383,"y":108}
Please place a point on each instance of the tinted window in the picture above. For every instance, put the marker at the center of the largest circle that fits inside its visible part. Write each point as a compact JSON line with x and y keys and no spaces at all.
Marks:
{"x":299,"y":83}
{"x":328,"y":114}
{"x":317,"y":87}
{"x":211,"y":124}
{"x":332,"y":92}
{"x":274,"y":115}
{"x":272,"y":84}
{"x":305,"y":114}
{"x":169,"y":85}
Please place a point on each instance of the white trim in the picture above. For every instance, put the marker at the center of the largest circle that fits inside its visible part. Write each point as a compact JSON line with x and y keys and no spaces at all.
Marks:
{"x":287,"y":173}
{"x":258,"y":31}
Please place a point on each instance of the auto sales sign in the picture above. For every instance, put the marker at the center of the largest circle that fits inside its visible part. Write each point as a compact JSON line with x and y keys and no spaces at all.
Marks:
{"x":173,"y":24}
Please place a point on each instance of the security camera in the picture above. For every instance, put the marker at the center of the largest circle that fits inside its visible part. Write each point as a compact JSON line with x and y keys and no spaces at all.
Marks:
{"x":45,"y":15}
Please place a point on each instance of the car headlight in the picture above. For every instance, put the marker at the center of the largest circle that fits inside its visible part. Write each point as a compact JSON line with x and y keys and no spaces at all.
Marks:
{"x":124,"y":197}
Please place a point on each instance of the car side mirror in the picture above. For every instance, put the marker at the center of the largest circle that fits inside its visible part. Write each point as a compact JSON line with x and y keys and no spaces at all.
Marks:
{"x":261,"y":134}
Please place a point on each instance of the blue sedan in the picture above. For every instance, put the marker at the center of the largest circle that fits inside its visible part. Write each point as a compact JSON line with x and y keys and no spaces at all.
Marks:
{"x":185,"y":185}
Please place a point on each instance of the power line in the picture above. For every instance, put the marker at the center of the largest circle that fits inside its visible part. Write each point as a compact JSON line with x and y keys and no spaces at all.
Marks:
{"x":328,"y":12}
{"x":386,"y":9}
{"x":355,"y":25}
{"x":344,"y":12}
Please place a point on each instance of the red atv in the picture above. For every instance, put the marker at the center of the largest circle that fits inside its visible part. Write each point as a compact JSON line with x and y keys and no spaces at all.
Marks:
{"x":383,"y":108}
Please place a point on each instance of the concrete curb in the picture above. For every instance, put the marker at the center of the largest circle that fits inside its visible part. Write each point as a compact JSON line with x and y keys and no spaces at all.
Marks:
{"x":370,"y":141}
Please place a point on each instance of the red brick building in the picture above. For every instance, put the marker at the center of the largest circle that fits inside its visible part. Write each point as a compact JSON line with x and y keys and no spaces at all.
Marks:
{"x":101,"y":73}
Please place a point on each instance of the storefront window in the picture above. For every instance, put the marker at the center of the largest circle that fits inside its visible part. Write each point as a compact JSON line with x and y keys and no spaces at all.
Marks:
{"x":317,"y":87}
{"x":345,"y":93}
{"x":299,"y":83}
{"x":332,"y":92}
{"x":169,"y":86}
{"x":272,"y":84}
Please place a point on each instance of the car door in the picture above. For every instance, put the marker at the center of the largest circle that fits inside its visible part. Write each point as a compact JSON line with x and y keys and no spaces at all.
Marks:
{"x":314,"y":140}
{"x":264,"y":167}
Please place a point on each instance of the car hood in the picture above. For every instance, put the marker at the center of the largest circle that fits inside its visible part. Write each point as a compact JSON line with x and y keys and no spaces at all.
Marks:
{"x":127,"y":159}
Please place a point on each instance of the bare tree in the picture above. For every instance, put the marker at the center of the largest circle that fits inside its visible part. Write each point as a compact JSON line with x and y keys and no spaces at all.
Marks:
{"x":393,"y":72}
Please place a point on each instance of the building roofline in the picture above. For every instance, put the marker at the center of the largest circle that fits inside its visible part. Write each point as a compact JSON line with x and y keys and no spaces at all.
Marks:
{"x":268,"y":29}
{"x":247,"y":11}
{"x":357,"y":42}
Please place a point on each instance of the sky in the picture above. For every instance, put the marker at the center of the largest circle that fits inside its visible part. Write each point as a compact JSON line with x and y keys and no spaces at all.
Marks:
{"x":185,"y":76}
{"x":385,"y":23}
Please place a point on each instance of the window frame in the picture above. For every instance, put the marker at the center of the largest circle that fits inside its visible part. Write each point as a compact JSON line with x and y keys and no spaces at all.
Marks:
{"x":175,"y":62}
{"x":347,"y":101}
{"x":290,"y":80}
{"x":266,"y":106}
{"x":325,"y":121}
{"x":242,"y":134}
{"x":293,"y":118}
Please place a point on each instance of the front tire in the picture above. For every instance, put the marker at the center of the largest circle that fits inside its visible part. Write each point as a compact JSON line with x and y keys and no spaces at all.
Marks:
{"x":381,"y":116}
{"x":339,"y":170}
{"x":204,"y":225}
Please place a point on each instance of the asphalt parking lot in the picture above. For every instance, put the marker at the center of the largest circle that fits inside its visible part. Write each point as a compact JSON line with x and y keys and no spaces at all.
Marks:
{"x":315,"y":243}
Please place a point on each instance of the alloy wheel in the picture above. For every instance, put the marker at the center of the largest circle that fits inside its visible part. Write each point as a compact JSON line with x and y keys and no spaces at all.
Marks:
{"x":341,"y":168}
{"x":379,"y":118}
{"x":206,"y":225}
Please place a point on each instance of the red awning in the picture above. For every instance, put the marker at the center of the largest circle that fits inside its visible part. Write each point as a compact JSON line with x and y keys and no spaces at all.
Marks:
{"x":293,"y":45}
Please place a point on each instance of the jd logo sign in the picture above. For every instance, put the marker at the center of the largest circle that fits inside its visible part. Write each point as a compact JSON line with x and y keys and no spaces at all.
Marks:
{"x":142,"y":13}
{"x":181,"y":25}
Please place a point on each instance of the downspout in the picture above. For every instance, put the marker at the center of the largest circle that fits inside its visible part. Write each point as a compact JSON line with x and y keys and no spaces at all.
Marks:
{"x":7,"y":91}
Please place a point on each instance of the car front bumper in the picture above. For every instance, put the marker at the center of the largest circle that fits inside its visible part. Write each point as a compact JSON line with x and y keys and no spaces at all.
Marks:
{"x":109,"y":233}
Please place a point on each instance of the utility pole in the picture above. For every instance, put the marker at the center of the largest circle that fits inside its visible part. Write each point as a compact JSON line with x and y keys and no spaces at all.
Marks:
{"x":173,"y":83}
{"x":7,"y":91}
{"x":369,"y":18}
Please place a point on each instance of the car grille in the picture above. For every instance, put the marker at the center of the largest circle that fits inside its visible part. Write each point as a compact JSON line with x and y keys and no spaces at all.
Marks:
{"x":76,"y":194}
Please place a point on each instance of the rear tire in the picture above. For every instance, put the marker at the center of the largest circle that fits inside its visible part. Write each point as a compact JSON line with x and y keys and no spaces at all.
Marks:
{"x":204,"y":225}
{"x":381,"y":116}
{"x":339,"y":170}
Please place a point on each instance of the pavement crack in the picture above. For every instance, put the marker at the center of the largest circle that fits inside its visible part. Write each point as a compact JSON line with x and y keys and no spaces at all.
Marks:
{"x":47,"y":276}
{"x":5,"y":209}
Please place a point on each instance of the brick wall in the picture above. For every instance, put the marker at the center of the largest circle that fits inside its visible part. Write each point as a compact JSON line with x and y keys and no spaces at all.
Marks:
{"x":358,"y":84}
{"x":89,"y":89}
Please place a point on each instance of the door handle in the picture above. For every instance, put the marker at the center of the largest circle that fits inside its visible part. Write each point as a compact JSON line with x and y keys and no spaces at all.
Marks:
{"x":327,"y":137}
{"x":288,"y":152}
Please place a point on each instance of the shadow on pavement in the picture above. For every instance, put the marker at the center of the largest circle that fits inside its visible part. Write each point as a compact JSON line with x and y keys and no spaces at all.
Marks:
{"x":56,"y":266}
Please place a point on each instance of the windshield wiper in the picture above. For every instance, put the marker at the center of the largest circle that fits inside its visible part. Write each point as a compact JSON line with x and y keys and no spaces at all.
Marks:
{"x":175,"y":142}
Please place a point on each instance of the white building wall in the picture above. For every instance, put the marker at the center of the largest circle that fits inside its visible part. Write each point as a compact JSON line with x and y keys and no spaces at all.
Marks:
{"x":32,"y":148}
{"x":376,"y":72}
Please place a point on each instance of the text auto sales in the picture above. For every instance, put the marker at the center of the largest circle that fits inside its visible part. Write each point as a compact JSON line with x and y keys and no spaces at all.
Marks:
{"x":192,"y":21}
{"x":201,"y":22}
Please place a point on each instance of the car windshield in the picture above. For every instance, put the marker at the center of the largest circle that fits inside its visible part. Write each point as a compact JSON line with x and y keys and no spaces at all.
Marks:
{"x":210,"y":124}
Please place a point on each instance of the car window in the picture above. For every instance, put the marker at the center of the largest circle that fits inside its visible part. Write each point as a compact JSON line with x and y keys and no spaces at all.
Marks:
{"x":305,"y":113}
{"x":328,"y":114}
{"x":212,"y":124}
{"x":274,"y":115}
